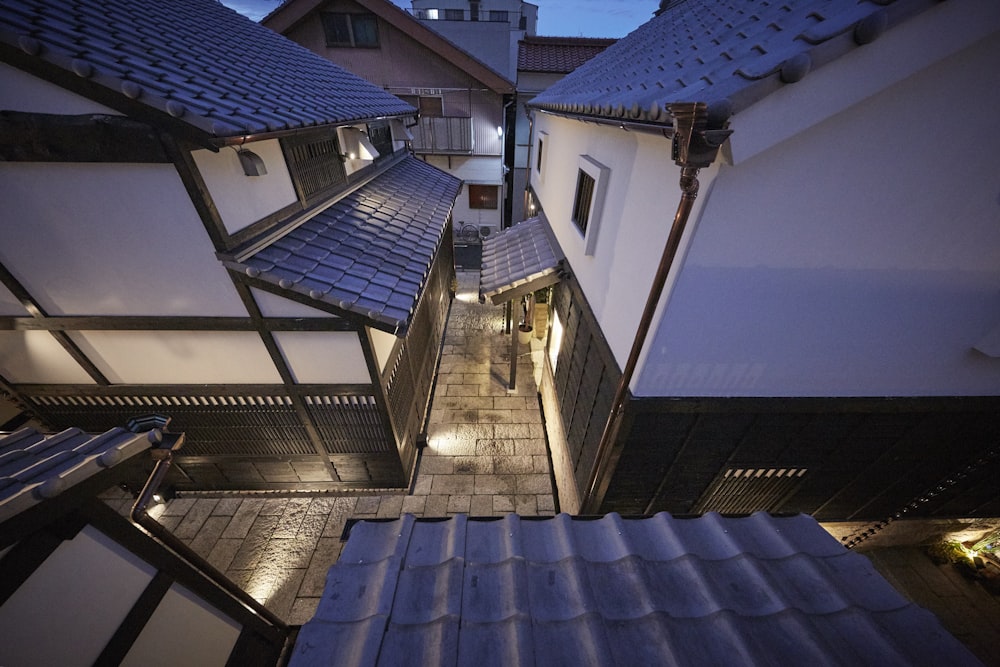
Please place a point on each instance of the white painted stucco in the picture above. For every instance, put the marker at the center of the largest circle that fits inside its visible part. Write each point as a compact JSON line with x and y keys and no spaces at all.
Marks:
{"x":36,"y":357}
{"x":272,"y":305}
{"x":71,"y":606}
{"x":640,"y":201}
{"x":9,"y":305}
{"x":383,"y":344}
{"x":110,"y":239}
{"x":179,"y":357}
{"x":859,"y":258}
{"x":183,"y":630}
{"x":20,"y":91}
{"x":241,"y":199}
{"x":482,"y":170}
{"x":853,"y":251}
{"x":324,"y":357}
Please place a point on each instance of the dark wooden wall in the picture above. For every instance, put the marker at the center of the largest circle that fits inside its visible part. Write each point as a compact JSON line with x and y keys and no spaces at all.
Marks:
{"x":854,"y":458}
{"x":585,"y":377}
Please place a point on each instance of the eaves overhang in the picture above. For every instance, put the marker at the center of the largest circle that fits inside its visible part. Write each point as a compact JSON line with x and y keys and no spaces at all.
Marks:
{"x":520,"y":260}
{"x":693,"y":52}
{"x":367,"y":255}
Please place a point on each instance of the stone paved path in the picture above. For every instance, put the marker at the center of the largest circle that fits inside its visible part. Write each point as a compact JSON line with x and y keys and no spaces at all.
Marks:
{"x":486,"y":456}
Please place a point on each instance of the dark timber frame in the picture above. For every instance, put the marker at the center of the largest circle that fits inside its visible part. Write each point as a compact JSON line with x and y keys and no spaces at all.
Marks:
{"x":286,"y":436}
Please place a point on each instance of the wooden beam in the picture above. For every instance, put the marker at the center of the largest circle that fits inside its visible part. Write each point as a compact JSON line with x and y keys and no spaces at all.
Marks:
{"x":38,"y":137}
{"x":161,"y":323}
{"x":38,"y":313}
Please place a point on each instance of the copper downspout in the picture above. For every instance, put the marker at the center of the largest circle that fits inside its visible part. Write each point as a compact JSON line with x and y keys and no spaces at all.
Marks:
{"x":694,"y":147}
{"x":164,"y":456}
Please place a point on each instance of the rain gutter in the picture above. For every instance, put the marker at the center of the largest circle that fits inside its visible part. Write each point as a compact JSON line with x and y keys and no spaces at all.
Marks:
{"x":695,"y":146}
{"x":163,"y":454}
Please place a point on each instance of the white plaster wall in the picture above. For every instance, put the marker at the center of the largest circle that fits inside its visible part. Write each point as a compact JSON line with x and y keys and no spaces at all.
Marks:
{"x":110,"y":239}
{"x":241,"y":199}
{"x":640,"y":201}
{"x":383,"y":344}
{"x":179,"y":357}
{"x":484,"y":170}
{"x":35,"y":357}
{"x":20,"y":91}
{"x":901,"y":52}
{"x":272,"y":305}
{"x":69,"y":608}
{"x":183,"y":630}
{"x":859,"y":258}
{"x":9,"y":305}
{"x":324,"y":357}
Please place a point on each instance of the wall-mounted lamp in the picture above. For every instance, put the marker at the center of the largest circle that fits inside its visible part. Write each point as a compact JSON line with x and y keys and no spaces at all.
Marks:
{"x":252,"y":163}
{"x":500,"y":131}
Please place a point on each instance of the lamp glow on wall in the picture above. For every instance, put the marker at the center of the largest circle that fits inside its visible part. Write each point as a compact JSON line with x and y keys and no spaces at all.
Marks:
{"x":365,"y":148}
{"x":252,"y":163}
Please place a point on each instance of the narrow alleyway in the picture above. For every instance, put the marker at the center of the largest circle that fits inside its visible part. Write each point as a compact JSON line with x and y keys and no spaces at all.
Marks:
{"x":486,"y":456}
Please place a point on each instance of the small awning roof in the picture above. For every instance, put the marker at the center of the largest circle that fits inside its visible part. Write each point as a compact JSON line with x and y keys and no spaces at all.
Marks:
{"x":370,"y":253}
{"x":518,"y":261}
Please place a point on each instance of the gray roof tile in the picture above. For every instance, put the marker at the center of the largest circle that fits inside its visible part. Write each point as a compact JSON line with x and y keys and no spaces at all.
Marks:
{"x":196,"y":60}
{"x":35,"y":466}
{"x":370,"y":253}
{"x":658,"y":590}
{"x":728,"y":53}
{"x":518,"y":260}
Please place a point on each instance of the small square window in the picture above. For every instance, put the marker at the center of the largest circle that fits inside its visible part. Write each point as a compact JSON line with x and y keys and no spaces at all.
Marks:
{"x":500,"y":16}
{"x":454,"y":15}
{"x":588,"y":200}
{"x":583,"y":200}
{"x":541,"y":154}
{"x":484,"y":196}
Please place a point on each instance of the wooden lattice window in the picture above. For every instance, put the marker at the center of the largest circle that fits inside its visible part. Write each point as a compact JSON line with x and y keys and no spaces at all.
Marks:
{"x":315,"y":164}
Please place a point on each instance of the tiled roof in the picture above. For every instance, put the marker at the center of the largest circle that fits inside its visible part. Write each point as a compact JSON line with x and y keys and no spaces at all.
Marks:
{"x":653,"y":591}
{"x":369,"y":253}
{"x":521,"y":259}
{"x":726,"y":53}
{"x":35,"y":467}
{"x":557,"y":54}
{"x":196,"y":61}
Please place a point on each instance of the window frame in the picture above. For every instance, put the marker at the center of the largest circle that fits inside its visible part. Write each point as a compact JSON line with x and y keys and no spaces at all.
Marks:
{"x":483,"y":201}
{"x":311,"y":157}
{"x":352,"y":21}
{"x":541,"y":156}
{"x":599,"y":174}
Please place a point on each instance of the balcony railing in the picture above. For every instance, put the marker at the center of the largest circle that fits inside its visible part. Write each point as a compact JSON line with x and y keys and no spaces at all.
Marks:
{"x":443,"y":134}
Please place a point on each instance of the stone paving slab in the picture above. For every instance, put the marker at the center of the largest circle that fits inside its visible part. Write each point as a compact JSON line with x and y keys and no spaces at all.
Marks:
{"x":486,"y":456}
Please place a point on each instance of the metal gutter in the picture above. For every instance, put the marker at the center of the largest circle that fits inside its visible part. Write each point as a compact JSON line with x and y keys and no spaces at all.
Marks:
{"x":665,"y":130}
{"x":694,"y":147}
{"x":163,"y":454}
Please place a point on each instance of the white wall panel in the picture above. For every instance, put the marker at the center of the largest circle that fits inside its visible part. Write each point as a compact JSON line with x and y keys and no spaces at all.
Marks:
{"x":20,"y":91}
{"x":110,"y":239}
{"x":849,"y":263}
{"x":241,"y":199}
{"x":321,"y":357}
{"x":9,"y":305}
{"x":272,"y":305}
{"x":35,"y":357}
{"x":69,"y":608}
{"x":179,"y":357}
{"x":383,"y":343}
{"x":183,"y":630}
